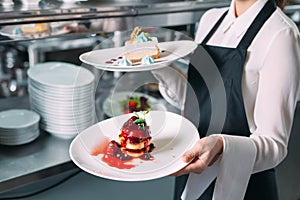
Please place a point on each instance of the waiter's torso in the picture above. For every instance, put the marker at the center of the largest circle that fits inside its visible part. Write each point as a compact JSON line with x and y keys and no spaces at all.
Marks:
{"x":230,"y":63}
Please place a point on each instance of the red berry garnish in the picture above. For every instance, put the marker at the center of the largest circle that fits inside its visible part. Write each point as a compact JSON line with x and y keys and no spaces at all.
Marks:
{"x":132,"y":104}
{"x":133,"y":118}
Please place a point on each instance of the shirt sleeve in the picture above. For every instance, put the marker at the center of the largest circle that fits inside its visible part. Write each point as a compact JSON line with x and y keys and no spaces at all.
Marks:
{"x":275,"y":101}
{"x":172,"y":84}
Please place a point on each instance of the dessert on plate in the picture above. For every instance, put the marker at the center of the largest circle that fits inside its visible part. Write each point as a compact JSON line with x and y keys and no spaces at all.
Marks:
{"x":134,"y":143}
{"x":135,"y":136}
{"x":35,"y":28}
{"x":141,"y":45}
{"x":140,"y":49}
{"x":31,"y":29}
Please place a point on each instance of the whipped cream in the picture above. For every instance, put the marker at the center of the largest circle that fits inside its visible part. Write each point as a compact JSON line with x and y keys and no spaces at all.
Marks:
{"x":147,"y":60}
{"x":142,"y":37}
{"x":17,"y":31}
{"x":124,"y":62}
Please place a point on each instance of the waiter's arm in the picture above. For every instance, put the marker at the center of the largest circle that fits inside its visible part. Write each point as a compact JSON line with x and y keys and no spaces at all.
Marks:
{"x":276,"y":99}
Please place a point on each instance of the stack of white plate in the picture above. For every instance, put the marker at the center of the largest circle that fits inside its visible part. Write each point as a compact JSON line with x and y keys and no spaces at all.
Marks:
{"x":18,"y":126}
{"x":63,"y":94}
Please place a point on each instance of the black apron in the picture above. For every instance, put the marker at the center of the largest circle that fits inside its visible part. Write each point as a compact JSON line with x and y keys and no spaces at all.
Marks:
{"x":230,"y":63}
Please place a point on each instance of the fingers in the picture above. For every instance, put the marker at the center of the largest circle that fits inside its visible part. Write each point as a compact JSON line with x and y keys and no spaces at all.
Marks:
{"x":188,"y":156}
{"x":196,"y":166}
{"x":203,"y":154}
{"x":193,"y":152}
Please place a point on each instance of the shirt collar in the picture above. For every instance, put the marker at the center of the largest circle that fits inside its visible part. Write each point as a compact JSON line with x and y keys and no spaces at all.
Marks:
{"x":242,"y":22}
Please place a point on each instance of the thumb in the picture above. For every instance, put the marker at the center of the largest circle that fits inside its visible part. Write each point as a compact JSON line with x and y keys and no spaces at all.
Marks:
{"x":188,"y":156}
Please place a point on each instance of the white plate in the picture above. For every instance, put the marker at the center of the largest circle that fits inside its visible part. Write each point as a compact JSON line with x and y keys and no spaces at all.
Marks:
{"x":66,"y":127}
{"x":172,"y":135}
{"x":18,"y":118}
{"x":171,"y":51}
{"x":9,"y":32}
{"x":60,"y":101}
{"x":69,"y":115}
{"x":60,"y":74}
{"x":60,"y":90}
{"x":111,"y":105}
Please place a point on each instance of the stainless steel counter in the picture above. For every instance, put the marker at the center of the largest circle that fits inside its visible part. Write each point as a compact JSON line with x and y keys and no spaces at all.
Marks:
{"x":48,"y":11}
{"x":28,"y":163}
{"x":106,"y":16}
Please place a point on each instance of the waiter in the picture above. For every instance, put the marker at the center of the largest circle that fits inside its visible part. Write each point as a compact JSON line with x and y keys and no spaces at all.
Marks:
{"x":256,"y":49}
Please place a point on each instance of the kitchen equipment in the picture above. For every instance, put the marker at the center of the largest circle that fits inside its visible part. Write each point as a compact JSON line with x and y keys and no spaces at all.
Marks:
{"x":13,"y":66}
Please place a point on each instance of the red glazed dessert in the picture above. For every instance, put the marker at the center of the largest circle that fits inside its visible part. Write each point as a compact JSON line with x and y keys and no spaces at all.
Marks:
{"x":135,"y":137}
{"x":134,"y":142}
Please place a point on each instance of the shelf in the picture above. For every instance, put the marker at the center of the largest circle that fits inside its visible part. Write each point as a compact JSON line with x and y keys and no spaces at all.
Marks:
{"x":52,"y":11}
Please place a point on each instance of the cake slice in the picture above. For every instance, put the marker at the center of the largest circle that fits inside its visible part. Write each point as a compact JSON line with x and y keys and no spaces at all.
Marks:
{"x":35,"y":28}
{"x":135,"y":136}
{"x":141,"y":45}
{"x":134,"y":143}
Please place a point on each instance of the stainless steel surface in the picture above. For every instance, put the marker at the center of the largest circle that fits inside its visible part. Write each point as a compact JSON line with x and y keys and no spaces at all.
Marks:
{"x":53,"y":11}
{"x":37,"y":51}
{"x":108,"y":16}
{"x":48,"y":11}
{"x":25,"y":164}
{"x":13,"y":66}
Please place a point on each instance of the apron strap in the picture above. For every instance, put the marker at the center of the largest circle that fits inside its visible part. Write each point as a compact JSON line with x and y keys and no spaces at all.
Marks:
{"x":215,"y":27}
{"x":256,"y":25}
{"x":254,"y":28}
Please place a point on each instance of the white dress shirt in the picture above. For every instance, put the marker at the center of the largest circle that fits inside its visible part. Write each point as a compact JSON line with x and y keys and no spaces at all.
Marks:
{"x":270,"y":80}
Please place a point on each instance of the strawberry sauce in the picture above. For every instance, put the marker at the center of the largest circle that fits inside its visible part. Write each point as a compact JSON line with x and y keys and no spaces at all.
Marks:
{"x":134,"y":143}
{"x":114,"y":156}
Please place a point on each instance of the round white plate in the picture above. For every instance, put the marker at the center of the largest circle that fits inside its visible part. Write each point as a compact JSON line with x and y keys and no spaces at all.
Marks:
{"x":170,"y":51}
{"x":58,"y":89}
{"x":65,"y":129}
{"x":64,"y":132}
{"x":60,"y":74}
{"x":19,"y":141}
{"x":112,"y":107}
{"x":59,"y":101}
{"x":70,"y":115}
{"x":171,"y":133}
{"x":18,"y":118}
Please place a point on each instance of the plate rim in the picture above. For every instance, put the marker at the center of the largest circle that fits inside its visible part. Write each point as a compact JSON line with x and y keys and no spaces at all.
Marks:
{"x":35,"y":73}
{"x":138,"y":67}
{"x":133,"y":176}
{"x":34,"y":116}
{"x":8,"y":31}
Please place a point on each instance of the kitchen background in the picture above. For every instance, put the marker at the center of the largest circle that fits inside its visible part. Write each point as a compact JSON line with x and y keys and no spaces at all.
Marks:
{"x":44,"y":164}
